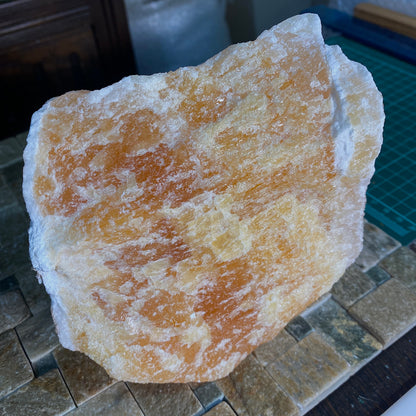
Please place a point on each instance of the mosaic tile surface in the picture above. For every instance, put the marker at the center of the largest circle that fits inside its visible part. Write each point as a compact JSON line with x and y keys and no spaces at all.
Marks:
{"x":373,"y":304}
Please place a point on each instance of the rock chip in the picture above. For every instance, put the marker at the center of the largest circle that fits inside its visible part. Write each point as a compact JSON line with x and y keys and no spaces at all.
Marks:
{"x":179,"y":220}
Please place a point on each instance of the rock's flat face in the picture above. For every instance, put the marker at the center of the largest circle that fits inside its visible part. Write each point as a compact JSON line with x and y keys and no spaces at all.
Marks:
{"x":180,"y":220}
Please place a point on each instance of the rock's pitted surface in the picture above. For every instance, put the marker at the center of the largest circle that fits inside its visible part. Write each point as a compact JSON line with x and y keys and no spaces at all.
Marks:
{"x":179,"y":220}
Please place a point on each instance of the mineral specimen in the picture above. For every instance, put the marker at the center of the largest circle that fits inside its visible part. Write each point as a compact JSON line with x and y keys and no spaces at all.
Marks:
{"x":179,"y":220}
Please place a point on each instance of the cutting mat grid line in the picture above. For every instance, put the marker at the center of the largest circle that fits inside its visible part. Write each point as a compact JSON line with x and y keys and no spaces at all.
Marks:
{"x":391,"y":195}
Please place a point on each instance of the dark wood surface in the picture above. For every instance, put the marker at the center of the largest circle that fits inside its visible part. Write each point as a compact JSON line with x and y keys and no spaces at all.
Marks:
{"x":49,"y":47}
{"x":378,"y":385}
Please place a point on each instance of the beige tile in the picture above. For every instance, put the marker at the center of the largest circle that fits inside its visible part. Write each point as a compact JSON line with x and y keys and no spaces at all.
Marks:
{"x":272,"y":350}
{"x":46,"y":395}
{"x":114,"y":401}
{"x":13,"y":310}
{"x":166,"y":399}
{"x":376,"y":245}
{"x":352,"y":286}
{"x":15,"y":369}
{"x":83,"y":376}
{"x":38,"y":335}
{"x":402,"y":264}
{"x":388,"y":312}
{"x":251,"y":391}
{"x":222,"y":409}
{"x":309,"y":370}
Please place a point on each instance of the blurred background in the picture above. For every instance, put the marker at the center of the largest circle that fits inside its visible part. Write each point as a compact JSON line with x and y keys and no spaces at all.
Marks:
{"x":48,"y":47}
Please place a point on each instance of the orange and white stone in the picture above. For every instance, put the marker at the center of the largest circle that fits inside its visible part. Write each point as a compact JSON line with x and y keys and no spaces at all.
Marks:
{"x":179,"y":220}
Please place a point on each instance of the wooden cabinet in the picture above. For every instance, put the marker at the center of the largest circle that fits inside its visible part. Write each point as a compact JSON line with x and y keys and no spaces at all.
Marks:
{"x":48,"y":47}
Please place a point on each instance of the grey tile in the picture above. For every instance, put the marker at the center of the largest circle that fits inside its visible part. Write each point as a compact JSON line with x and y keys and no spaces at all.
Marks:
{"x":250,"y":390}
{"x":46,"y":395}
{"x":83,"y":376}
{"x":15,"y":367}
{"x":298,"y":328}
{"x":33,"y":292}
{"x":222,"y":409}
{"x":208,"y":394}
{"x":309,"y":371}
{"x":8,"y":283}
{"x":376,"y":245}
{"x":402,"y":265}
{"x":272,"y":350}
{"x":38,"y":335}
{"x":13,"y":310}
{"x":114,"y":401}
{"x":353,"y":285}
{"x":378,"y":275}
{"x":343,"y":333}
{"x":11,"y":151}
{"x":44,"y":364}
{"x":166,"y":399}
{"x":388,"y":312}
{"x":15,"y":254}
{"x":7,"y":197}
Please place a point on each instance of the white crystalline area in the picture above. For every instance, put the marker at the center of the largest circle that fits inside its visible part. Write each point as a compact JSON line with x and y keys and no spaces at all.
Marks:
{"x":179,"y":220}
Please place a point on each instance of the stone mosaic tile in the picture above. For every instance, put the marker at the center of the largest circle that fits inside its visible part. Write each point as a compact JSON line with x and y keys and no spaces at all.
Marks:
{"x":166,"y":399}
{"x":15,"y":254}
{"x":7,"y":197}
{"x":272,"y":350}
{"x":8,"y":283}
{"x":402,"y":264}
{"x":309,"y":370}
{"x":222,"y":409}
{"x":376,"y":245}
{"x":353,"y":285}
{"x":412,"y":246}
{"x":349,"y":339}
{"x":208,"y":394}
{"x":388,"y":312}
{"x":44,"y":364}
{"x":114,"y":401}
{"x":37,"y":335}
{"x":15,"y":369}
{"x":378,"y":275}
{"x":13,"y":221}
{"x":250,"y":390}
{"x":34,"y":293}
{"x":82,"y":375}
{"x":11,"y":149}
{"x":46,"y":395}
{"x":298,"y":328}
{"x":13,"y":310}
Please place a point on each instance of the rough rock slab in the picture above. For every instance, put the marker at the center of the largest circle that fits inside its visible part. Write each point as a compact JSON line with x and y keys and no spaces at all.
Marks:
{"x":179,"y":220}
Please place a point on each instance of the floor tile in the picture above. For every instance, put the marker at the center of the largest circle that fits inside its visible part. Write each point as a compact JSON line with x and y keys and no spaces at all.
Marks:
{"x":402,"y":264}
{"x":34,"y":293}
{"x":376,"y":245}
{"x":114,"y":401}
{"x":272,"y":350}
{"x":46,"y":395}
{"x":353,"y":285}
{"x":83,"y":376}
{"x":44,"y":364}
{"x":298,"y":328}
{"x":251,"y":391}
{"x":308,"y":370}
{"x":166,"y":399}
{"x":208,"y":394}
{"x":388,"y":312}
{"x":349,"y":339}
{"x":13,"y":310}
{"x":15,"y":369}
{"x":38,"y":335}
{"x":222,"y":409}
{"x":378,"y":275}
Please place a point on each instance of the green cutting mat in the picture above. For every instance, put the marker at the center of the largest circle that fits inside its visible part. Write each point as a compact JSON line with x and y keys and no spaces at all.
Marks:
{"x":391,"y":196}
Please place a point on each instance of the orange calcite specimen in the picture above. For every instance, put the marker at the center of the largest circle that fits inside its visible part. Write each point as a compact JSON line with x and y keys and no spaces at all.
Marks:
{"x":179,"y":220}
